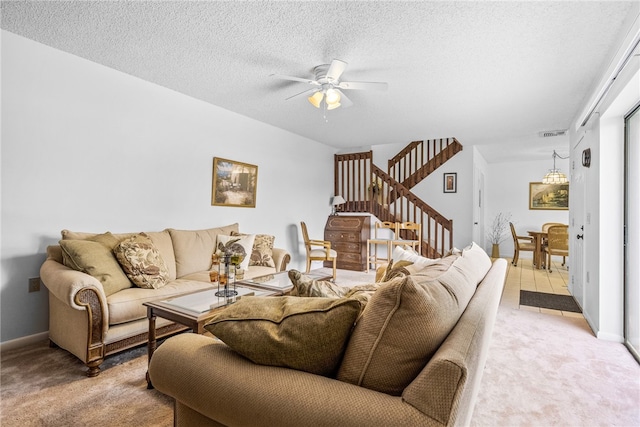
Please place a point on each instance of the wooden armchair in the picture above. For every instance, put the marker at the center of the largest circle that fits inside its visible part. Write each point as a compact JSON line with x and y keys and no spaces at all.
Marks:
{"x":317,"y":254}
{"x":520,"y":243}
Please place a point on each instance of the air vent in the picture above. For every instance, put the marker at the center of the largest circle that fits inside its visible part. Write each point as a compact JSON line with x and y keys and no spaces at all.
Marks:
{"x":550,"y":133}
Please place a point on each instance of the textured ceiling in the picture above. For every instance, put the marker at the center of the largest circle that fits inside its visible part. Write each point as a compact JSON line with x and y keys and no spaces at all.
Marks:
{"x":480,"y":71}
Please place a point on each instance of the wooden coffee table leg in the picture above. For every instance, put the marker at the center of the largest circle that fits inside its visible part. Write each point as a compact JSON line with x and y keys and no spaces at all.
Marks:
{"x":151,"y":346}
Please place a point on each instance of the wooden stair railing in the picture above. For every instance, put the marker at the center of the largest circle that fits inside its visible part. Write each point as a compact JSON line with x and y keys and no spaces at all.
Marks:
{"x":420,"y":158}
{"x":367,"y":188}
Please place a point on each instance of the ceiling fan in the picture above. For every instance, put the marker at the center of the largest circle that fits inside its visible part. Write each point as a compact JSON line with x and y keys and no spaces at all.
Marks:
{"x":327,"y":86}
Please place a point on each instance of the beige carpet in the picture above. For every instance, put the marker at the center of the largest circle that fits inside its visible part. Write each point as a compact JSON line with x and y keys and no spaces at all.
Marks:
{"x":542,"y":370}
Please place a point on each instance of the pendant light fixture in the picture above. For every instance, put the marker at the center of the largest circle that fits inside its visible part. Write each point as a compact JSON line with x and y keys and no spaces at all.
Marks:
{"x":555,"y":176}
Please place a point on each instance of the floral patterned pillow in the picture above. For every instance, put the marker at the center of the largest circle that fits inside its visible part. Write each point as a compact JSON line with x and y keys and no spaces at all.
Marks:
{"x":262,"y":252}
{"x":142,"y":262}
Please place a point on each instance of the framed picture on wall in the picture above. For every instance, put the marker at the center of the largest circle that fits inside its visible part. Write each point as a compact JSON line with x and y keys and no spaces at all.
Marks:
{"x":450,"y":182}
{"x":548,"y":196}
{"x":234,"y":183}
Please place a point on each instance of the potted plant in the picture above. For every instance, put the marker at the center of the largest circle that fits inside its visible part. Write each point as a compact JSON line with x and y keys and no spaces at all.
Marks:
{"x":498,"y":232}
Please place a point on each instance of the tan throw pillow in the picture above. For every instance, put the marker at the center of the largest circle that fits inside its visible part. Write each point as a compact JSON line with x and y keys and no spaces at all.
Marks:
{"x":262,"y":252}
{"x":94,"y":256}
{"x":305,"y":286}
{"x":236,"y":245}
{"x":142,"y":262}
{"x":307,"y":334}
{"x":403,"y":324}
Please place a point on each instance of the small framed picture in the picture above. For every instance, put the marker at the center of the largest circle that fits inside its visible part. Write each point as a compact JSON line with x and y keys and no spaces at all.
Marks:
{"x":450,"y":182}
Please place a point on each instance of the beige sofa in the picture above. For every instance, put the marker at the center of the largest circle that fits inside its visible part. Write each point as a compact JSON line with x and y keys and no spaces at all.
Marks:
{"x":415,"y":357}
{"x":91,"y":319}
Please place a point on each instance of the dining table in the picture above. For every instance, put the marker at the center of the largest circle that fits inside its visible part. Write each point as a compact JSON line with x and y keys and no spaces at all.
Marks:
{"x":538,"y":254}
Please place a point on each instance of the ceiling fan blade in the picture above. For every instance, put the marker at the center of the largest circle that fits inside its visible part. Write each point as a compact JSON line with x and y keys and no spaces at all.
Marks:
{"x":344,"y":101}
{"x":303,"y":92}
{"x":336,"y":69}
{"x":363,"y":85}
{"x":295,"y":79}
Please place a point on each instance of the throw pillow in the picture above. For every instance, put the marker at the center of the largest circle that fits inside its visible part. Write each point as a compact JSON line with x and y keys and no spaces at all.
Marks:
{"x":142,"y":262}
{"x":307,"y":334}
{"x":402,"y":326}
{"x":236,"y":245}
{"x":262,"y":251}
{"x":94,"y":256}
{"x":305,"y":286}
{"x":401,"y":254}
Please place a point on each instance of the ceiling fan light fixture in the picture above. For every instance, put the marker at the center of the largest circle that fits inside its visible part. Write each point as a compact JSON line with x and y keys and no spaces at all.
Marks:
{"x":333,"y":98}
{"x":333,"y":106}
{"x":316,"y":99}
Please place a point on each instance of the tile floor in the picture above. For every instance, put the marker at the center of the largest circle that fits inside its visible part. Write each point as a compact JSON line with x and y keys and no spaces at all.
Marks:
{"x":526,"y":277}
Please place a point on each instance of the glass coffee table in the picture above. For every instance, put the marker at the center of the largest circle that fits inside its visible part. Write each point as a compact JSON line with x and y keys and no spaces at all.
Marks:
{"x":193,"y":310}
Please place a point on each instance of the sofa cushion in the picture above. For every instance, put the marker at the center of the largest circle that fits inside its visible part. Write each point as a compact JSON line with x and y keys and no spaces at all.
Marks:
{"x":126,"y":305}
{"x":142,"y":262}
{"x":262,"y":252}
{"x":403,"y":325}
{"x":162,"y":242}
{"x":193,"y":248}
{"x":307,"y":334}
{"x":94,"y":256}
{"x":242,"y":245}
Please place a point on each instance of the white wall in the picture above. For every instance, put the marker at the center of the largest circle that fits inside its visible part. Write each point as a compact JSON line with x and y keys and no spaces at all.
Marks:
{"x":88,"y":148}
{"x":602,"y":212}
{"x":507,"y":189}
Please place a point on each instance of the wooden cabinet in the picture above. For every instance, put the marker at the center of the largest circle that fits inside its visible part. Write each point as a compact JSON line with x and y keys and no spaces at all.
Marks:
{"x":348,"y":236}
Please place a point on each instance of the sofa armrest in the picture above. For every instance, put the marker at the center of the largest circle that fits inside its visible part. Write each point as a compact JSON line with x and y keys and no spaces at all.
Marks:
{"x":210,"y":378}
{"x":281,"y":258}
{"x":65,"y":284}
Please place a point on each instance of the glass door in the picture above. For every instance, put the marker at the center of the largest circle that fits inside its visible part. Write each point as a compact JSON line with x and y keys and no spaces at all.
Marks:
{"x":632,"y":233}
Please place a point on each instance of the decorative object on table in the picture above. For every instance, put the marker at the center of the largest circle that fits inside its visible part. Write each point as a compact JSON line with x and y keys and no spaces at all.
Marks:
{"x":555,"y":176}
{"x":234,"y":183}
{"x":497,"y":232}
{"x":548,"y":196}
{"x":337,"y":201}
{"x":229,"y":257}
{"x":227,"y":275}
{"x":450,"y":182}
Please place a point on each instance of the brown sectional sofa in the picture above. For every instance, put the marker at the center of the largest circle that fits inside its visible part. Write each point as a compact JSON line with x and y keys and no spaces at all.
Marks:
{"x":91,"y":319}
{"x":414,"y":357}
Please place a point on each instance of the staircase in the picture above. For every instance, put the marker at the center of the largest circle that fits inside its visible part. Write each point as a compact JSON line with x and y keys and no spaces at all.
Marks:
{"x":420,"y":158}
{"x":367,"y":188}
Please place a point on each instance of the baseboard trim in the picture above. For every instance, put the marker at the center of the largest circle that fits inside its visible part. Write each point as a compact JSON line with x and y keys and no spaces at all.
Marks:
{"x":23,"y":341}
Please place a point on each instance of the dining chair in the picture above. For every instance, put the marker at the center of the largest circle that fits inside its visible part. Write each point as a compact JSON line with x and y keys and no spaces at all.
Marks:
{"x":318,"y":250}
{"x":520,"y":243}
{"x":372,"y":258}
{"x":408,"y":234}
{"x":557,"y":243}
